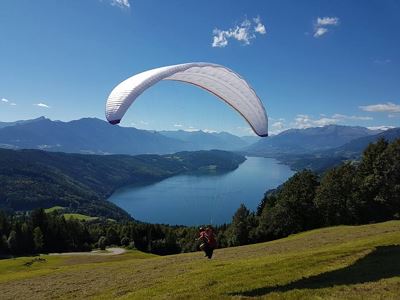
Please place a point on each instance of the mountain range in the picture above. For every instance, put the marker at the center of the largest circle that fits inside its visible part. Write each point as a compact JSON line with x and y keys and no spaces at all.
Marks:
{"x":200,"y":140}
{"x":320,"y":159}
{"x":95,"y":136}
{"x":302,"y":141}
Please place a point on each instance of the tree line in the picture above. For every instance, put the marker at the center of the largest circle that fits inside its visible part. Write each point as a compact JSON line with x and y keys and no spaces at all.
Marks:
{"x":360,"y":192}
{"x":352,"y":193}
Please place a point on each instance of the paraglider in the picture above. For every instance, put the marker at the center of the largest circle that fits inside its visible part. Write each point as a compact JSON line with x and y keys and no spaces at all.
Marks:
{"x":216,"y":79}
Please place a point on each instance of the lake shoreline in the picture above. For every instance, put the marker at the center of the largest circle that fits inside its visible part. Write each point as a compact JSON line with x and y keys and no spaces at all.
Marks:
{"x":193,"y":198}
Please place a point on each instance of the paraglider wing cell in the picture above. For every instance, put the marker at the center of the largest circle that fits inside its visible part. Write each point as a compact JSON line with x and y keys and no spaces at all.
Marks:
{"x":218,"y":80}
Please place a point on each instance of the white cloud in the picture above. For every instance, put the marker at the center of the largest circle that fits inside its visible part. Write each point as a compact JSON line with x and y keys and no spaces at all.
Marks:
{"x":322,"y":24}
{"x":260,"y":28}
{"x":327,"y":21}
{"x":6,"y":101}
{"x":245,"y":130}
{"x":42,"y":105}
{"x":388,"y":107}
{"x":219,"y":39}
{"x":121,"y":3}
{"x":320,"y":32}
{"x":144,"y":122}
{"x":305,"y":121}
{"x":302,"y":121}
{"x":344,"y":117}
{"x":278,"y":125}
{"x":243,"y":33}
{"x":382,"y":61}
{"x":209,"y":130}
{"x":178,"y":125}
{"x":191,"y":129}
{"x":382,"y":127}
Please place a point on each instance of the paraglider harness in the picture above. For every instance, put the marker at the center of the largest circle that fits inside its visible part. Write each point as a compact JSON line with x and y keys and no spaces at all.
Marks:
{"x":208,"y":242}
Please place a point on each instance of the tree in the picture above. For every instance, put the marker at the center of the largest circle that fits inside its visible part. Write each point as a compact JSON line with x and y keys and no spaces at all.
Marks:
{"x":38,"y":240}
{"x":239,"y":229}
{"x":375,"y":181}
{"x":391,"y":173}
{"x":268,"y":200}
{"x":27,"y":238}
{"x":102,"y":243}
{"x":292,"y":209}
{"x":12,"y":242}
{"x":112,"y":236}
{"x":3,"y":244}
{"x":39,"y":219}
{"x":125,"y":241}
{"x":335,"y":196}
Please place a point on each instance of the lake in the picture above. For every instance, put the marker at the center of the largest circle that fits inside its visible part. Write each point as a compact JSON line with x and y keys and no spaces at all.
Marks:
{"x":194,"y":199}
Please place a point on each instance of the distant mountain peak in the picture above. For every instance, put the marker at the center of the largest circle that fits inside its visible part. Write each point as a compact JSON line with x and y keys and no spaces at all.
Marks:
{"x":307,"y":140}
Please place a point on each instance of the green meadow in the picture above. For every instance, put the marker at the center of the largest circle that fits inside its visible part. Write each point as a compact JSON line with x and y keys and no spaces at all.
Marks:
{"x":79,"y":217}
{"x":344,"y":262}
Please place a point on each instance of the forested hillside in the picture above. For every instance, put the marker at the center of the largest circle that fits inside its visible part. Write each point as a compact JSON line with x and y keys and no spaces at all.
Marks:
{"x":32,"y":178}
{"x":350,"y":194}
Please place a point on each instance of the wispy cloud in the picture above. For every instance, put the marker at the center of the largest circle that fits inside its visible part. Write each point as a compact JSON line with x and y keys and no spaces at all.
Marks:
{"x":305,"y":121}
{"x":341,"y":117}
{"x":382,"y":127}
{"x":191,"y":129}
{"x":320,"y":32}
{"x":382,"y":61}
{"x":327,"y":21}
{"x":209,"y":130}
{"x":42,"y":105}
{"x":244,"y":33}
{"x":259,"y":27}
{"x":178,"y":125}
{"x":302,"y":121}
{"x":121,"y":3}
{"x":8,"y":102}
{"x":278,"y":125}
{"x":321,"y":26}
{"x":388,"y":107}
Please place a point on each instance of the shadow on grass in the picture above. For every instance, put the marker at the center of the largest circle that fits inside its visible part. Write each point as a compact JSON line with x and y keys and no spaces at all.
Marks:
{"x":382,"y":263}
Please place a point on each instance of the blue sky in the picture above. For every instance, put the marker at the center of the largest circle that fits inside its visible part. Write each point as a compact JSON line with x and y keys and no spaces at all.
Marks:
{"x":311,"y":62}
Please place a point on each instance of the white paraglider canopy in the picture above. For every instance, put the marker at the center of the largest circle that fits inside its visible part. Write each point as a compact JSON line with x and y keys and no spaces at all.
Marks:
{"x":216,"y":79}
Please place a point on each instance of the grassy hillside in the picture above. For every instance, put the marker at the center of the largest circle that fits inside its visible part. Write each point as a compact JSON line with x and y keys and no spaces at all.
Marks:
{"x":345,"y":262}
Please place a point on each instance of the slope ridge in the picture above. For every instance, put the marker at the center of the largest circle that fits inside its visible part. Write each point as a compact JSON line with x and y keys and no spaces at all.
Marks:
{"x":344,"y":262}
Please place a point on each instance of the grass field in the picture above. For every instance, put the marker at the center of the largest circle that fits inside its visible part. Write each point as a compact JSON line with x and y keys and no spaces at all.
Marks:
{"x":68,"y":216}
{"x":345,"y":262}
{"x":54,"y":208}
{"x":79,"y":217}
